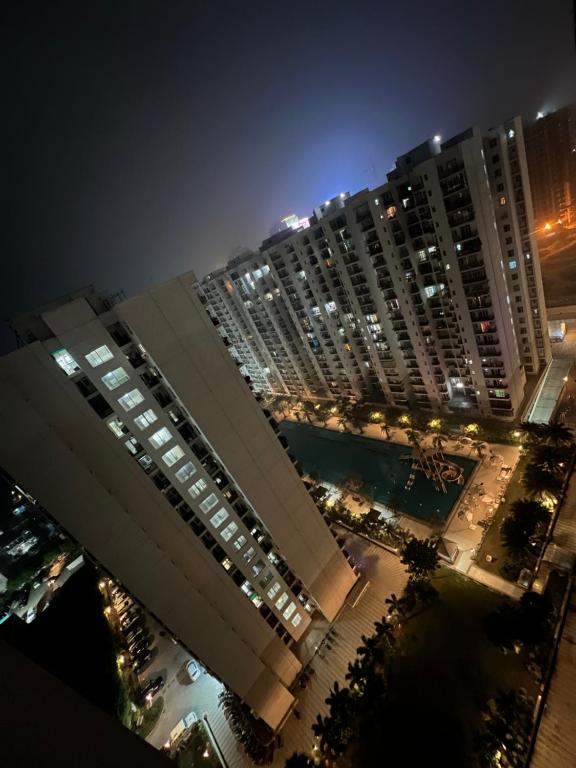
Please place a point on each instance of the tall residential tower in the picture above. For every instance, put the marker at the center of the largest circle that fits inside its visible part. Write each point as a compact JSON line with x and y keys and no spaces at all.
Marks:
{"x":425,"y":291}
{"x":137,"y":432}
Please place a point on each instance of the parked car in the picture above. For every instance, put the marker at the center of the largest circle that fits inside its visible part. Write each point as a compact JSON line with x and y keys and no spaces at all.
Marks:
{"x":151,"y":688}
{"x":139,"y":646}
{"x":181,"y":728}
{"x":132,"y":623}
{"x":194,"y":670}
{"x":134,"y":634}
{"x":141,"y":661}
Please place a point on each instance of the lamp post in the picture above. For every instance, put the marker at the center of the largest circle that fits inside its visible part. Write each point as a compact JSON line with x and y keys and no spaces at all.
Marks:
{"x":214,"y":741}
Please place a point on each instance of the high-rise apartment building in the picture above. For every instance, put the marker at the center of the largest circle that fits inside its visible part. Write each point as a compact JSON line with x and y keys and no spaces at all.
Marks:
{"x":551,"y":151}
{"x":424,"y":291}
{"x":137,"y":432}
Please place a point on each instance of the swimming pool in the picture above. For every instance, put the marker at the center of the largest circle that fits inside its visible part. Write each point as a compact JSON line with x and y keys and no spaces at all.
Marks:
{"x":334,"y":456}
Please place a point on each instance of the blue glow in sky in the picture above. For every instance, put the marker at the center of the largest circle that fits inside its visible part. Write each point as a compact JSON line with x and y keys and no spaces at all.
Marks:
{"x":149,"y":138}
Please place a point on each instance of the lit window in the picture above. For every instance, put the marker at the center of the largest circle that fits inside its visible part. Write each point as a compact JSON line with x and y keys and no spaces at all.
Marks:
{"x":185,"y":472}
{"x":258,"y":567}
{"x":132,"y":445}
{"x":391,"y":211}
{"x":145,"y":419}
{"x":500,"y":392}
{"x":99,"y":356}
{"x":239,"y":543}
{"x":131,"y":399}
{"x":160,"y":438}
{"x":229,"y":531}
{"x":116,"y":427}
{"x":115,"y":378}
{"x":512,"y":264}
{"x":289,"y":611}
{"x":249,"y":554}
{"x":218,"y":517}
{"x":296,"y":620}
{"x":66,"y":361}
{"x":145,"y":462}
{"x":274,"y":589}
{"x":227,"y":563}
{"x":172,"y":456}
{"x":196,"y":489}
{"x":282,"y":600}
{"x":503,"y":200}
{"x":209,"y":502}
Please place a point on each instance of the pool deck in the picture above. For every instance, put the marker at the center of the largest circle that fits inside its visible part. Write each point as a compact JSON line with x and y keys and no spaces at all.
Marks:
{"x":472,"y":507}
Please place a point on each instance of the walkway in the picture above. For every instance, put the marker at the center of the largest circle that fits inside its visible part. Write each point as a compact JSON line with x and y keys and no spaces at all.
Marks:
{"x":556,"y":741}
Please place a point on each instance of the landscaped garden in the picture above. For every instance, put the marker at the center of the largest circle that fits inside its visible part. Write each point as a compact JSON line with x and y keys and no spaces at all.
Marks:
{"x":517,"y":532}
{"x":447,"y":678}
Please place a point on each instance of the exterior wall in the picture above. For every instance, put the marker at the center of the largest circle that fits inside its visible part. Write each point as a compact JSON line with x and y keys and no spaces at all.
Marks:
{"x":224,"y":587}
{"x":550,"y":146}
{"x":508,"y":169}
{"x":182,"y":340}
{"x":401,"y":293}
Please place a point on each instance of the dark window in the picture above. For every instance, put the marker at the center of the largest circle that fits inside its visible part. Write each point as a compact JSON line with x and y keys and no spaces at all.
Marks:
{"x":100,"y":405}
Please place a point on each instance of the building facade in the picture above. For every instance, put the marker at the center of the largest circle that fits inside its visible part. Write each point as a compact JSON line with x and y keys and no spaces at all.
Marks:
{"x":551,"y":150}
{"x":425,"y":291}
{"x":137,"y":432}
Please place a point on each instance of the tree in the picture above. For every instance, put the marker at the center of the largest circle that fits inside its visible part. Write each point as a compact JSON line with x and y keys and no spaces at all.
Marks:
{"x":396,"y":606}
{"x":299,"y":760}
{"x":537,"y":481}
{"x":413,"y":437}
{"x":532,"y":431}
{"x":503,"y":738}
{"x":479,"y":446}
{"x":548,"y":458}
{"x":420,"y":557}
{"x":556,"y":433}
{"x":309,"y":411}
{"x":255,"y":736}
{"x":421,"y":591}
{"x":525,"y":525}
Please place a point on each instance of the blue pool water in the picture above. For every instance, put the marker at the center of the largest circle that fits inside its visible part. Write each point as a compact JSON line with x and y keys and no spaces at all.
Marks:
{"x":334,"y":456}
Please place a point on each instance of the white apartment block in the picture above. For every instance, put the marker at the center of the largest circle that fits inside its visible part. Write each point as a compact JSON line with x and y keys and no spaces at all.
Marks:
{"x":134,"y":428}
{"x":425,"y":291}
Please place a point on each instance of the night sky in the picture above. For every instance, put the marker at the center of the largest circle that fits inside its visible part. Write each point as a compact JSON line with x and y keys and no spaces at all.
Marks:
{"x":147,"y":138}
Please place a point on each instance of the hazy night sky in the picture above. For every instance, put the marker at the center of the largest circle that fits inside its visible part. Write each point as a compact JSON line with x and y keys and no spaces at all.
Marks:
{"x":146,"y":138}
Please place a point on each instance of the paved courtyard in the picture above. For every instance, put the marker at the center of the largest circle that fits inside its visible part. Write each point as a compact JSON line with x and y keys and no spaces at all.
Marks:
{"x":386,"y":575}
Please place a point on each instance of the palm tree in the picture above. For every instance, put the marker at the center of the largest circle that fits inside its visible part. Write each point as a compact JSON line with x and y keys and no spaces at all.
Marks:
{"x":531,"y":430}
{"x":309,"y":411}
{"x":537,"y":481}
{"x":549,"y":458}
{"x":413,"y":437}
{"x":526,"y":524}
{"x":506,"y":726}
{"x":396,"y":606}
{"x":384,"y":428}
{"x":555,"y":433}
{"x":478,"y":446}
{"x":299,"y":760}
